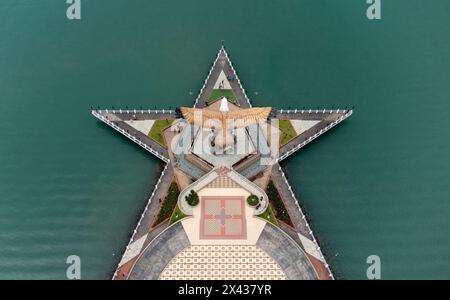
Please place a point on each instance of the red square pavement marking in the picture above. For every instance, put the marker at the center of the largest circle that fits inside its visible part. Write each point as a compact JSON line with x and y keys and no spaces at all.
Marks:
{"x":223,"y":217}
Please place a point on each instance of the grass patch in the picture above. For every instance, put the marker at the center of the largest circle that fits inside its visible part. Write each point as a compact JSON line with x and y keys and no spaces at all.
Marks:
{"x":156,"y":131}
{"x":278,"y":205}
{"x":176,"y":216}
{"x":169,"y":204}
{"x":268,"y":215}
{"x":218,"y":94}
{"x":287,"y":131}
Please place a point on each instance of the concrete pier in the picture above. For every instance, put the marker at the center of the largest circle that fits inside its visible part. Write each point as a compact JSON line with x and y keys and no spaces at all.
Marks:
{"x":146,"y":254}
{"x":114,"y":121}
{"x":327,"y":121}
{"x":222,"y":63}
{"x":144,"y":234}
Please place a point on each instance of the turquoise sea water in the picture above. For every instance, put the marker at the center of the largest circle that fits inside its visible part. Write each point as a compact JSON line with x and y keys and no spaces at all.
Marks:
{"x":377,"y":184}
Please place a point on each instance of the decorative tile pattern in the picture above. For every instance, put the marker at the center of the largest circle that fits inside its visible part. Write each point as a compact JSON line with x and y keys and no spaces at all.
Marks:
{"x":233,"y":227}
{"x":213,"y":207}
{"x":223,"y":182}
{"x":223,"y":217}
{"x":222,"y":262}
{"x":212,"y":227}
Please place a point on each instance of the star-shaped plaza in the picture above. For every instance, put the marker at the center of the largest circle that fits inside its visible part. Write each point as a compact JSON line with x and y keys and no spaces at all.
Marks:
{"x":222,"y":207}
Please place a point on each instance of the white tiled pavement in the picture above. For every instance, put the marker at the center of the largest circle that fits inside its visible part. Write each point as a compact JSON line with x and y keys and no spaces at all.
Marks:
{"x":301,"y":126}
{"x":222,"y":82}
{"x":222,"y":262}
{"x":133,"y":250}
{"x":143,"y":126}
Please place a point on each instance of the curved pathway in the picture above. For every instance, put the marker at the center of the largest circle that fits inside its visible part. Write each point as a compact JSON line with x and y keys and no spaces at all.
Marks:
{"x":157,"y":255}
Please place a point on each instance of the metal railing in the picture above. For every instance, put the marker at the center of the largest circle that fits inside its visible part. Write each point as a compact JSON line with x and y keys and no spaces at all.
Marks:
{"x":207,"y":78}
{"x":235,"y":75}
{"x":131,"y":137}
{"x":310,"y":111}
{"x":311,"y":138}
{"x":141,"y":218}
{"x":306,"y":222}
{"x":135,"y":111}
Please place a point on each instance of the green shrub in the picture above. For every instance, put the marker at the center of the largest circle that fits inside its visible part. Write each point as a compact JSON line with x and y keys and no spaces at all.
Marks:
{"x":192,"y":199}
{"x":218,"y":94}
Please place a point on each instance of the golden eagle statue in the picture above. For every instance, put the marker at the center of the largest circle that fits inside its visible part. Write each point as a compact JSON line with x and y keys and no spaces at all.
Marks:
{"x":225,"y":121}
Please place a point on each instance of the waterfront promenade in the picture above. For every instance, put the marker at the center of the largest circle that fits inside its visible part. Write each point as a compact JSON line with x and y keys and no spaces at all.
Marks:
{"x":328,"y":119}
{"x":147,"y":241}
{"x":222,"y":63}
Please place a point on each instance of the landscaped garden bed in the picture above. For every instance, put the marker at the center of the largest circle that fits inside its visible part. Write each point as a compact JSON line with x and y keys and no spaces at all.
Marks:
{"x":168,"y":204}
{"x":268,"y":215}
{"x":219,"y":94}
{"x":156,"y":133}
{"x":287,"y":131}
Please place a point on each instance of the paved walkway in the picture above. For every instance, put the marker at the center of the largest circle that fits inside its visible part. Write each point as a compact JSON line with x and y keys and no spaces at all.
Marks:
{"x":151,"y":249}
{"x":223,"y":262}
{"x":159,"y":253}
{"x":143,"y":138}
{"x":234,"y":176}
{"x":302,"y":234}
{"x":143,"y":234}
{"x":290,"y":202}
{"x":143,"y":126}
{"x":113,"y":120}
{"x":283,"y":252}
{"x":303,"y":137}
{"x":325,"y":124}
{"x":289,"y":256}
{"x":302,"y":125}
{"x":153,"y":207}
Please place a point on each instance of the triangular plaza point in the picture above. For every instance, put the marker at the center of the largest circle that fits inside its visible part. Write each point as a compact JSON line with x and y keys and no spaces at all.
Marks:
{"x":222,"y":82}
